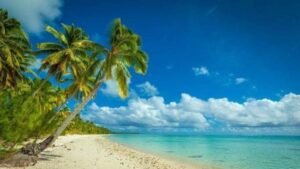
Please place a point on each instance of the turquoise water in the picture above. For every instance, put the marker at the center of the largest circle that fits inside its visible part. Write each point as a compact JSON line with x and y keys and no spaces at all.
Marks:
{"x":227,"y":152}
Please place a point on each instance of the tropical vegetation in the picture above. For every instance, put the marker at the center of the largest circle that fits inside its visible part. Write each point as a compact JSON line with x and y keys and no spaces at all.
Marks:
{"x":33,"y":107}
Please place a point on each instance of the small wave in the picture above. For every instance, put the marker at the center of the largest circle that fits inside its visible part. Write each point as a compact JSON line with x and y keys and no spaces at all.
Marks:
{"x":294,"y":149}
{"x":195,"y":156}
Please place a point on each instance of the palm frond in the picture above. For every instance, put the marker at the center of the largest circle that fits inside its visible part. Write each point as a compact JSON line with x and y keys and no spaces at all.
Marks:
{"x":59,"y":36}
{"x":49,"y":46}
{"x":122,"y":77}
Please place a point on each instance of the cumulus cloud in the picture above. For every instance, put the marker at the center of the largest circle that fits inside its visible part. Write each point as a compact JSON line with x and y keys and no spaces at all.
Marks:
{"x":149,"y":114}
{"x":258,"y":113}
{"x":196,"y":114}
{"x":33,"y":14}
{"x":240,"y":80}
{"x":37,"y":64}
{"x":110,"y":88}
{"x":147,"y":89}
{"x":253,"y":112}
{"x":200,"y":71}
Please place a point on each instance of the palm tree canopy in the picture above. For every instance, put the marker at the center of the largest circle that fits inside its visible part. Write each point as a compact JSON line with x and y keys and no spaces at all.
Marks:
{"x":125,"y":52}
{"x":15,"y":51}
{"x":83,"y":85}
{"x":69,"y":53}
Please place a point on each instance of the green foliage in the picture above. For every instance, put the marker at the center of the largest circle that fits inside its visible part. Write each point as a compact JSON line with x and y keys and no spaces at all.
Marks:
{"x":69,"y":53}
{"x":15,"y":52}
{"x":83,"y":85}
{"x":125,"y":52}
{"x":79,"y":126}
{"x":38,"y":116}
{"x":73,"y":54}
{"x":21,"y":120}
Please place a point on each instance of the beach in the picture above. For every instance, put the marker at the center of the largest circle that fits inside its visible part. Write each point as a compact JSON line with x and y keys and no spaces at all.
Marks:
{"x":98,"y":152}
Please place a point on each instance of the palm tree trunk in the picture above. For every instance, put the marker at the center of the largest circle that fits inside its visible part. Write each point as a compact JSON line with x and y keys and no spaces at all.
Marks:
{"x":41,"y":85}
{"x":51,"y":139}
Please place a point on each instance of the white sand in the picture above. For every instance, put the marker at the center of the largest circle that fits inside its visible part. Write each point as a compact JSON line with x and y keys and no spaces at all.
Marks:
{"x":97,"y":152}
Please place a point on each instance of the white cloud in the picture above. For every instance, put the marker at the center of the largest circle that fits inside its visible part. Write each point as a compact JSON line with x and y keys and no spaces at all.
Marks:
{"x":253,"y":112}
{"x":147,"y":89}
{"x":110,"y":88}
{"x":200,"y":71}
{"x":194,"y":113}
{"x":37,"y":64}
{"x":150,"y":114}
{"x":33,"y":14}
{"x":240,"y":80}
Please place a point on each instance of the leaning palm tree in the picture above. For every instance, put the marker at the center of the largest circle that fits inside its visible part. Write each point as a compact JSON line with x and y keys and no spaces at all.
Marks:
{"x":68,"y":55}
{"x":125,"y":52}
{"x":82,"y":85}
{"x":15,"y":51}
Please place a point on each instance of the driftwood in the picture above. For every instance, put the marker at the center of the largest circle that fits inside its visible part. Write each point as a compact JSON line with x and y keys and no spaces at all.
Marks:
{"x":27,"y":156}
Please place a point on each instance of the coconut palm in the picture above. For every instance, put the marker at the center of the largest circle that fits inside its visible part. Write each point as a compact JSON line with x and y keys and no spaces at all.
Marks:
{"x":20,"y":122}
{"x":15,"y":51}
{"x":82,"y":85}
{"x":68,"y":54}
{"x":125,"y":52}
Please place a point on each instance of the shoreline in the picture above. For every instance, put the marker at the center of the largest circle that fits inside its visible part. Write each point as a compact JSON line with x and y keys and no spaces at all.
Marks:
{"x":168,"y":157}
{"x":97,"y":151}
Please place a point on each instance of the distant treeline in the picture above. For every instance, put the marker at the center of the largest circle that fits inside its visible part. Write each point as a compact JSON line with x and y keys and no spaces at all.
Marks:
{"x":79,"y":126}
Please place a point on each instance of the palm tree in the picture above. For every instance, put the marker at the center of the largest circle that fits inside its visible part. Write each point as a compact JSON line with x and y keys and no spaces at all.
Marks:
{"x":82,"y":85}
{"x":68,"y":54}
{"x":15,"y":51}
{"x":20,"y":122}
{"x":125,"y":52}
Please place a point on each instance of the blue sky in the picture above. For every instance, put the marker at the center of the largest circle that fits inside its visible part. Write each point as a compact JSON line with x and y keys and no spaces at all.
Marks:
{"x":215,"y":66}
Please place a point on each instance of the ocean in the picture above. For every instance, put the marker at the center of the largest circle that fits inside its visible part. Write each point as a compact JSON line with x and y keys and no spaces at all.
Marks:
{"x":225,"y":152}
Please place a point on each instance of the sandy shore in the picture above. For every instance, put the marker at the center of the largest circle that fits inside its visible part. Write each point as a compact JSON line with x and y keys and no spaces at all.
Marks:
{"x":97,"y":152}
